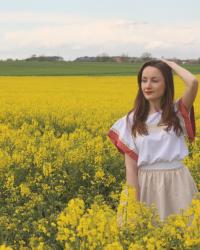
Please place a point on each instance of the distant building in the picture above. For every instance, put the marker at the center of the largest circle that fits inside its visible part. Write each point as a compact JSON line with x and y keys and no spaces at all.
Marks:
{"x":118,"y":59}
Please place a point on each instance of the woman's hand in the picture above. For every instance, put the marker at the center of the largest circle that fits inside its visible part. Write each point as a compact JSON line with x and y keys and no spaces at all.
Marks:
{"x":190,"y":80}
{"x":185,"y":74}
{"x":169,"y":63}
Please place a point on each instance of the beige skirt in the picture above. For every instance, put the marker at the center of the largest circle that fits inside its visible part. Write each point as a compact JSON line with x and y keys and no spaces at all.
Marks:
{"x":169,"y":189}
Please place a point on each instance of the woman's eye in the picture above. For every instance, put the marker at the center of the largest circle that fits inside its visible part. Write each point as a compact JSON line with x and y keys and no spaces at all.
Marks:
{"x":152,"y":80}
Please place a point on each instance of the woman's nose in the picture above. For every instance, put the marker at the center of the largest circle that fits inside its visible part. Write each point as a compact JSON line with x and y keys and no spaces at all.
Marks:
{"x":148,"y":83}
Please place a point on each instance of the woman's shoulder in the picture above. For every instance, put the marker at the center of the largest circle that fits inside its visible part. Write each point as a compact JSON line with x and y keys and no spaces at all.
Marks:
{"x":129,"y":117}
{"x":120,"y":134}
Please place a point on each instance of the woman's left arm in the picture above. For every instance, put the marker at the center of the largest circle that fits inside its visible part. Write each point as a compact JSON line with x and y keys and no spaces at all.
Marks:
{"x":191,"y":83}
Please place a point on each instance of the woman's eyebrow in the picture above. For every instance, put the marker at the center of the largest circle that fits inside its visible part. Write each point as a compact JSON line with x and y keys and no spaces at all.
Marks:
{"x":151,"y":77}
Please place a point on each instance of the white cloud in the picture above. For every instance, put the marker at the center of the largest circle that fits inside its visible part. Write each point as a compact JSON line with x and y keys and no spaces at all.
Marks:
{"x":38,"y":17}
{"x":46,"y":30}
{"x":158,"y":44}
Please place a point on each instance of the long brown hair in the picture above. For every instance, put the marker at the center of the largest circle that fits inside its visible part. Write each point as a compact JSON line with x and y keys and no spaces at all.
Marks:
{"x":141,"y":104}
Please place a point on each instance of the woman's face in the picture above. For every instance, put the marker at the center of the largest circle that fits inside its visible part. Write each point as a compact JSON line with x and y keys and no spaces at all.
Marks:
{"x":152,"y":83}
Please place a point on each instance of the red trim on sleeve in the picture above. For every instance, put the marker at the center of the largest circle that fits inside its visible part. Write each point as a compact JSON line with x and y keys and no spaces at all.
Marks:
{"x":122,"y":148}
{"x":189,"y":120}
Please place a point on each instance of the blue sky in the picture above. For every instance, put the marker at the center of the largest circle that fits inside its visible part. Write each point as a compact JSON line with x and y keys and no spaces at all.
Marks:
{"x":79,"y":28}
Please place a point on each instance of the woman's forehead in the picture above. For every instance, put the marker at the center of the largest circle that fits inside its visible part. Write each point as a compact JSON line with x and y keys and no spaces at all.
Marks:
{"x":151,"y":71}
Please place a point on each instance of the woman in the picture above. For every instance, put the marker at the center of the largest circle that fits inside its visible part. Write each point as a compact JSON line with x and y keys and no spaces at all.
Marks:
{"x":152,"y":136}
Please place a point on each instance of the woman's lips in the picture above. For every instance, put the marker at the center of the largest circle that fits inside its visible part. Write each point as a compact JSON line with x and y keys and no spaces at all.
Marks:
{"x":148,"y":92}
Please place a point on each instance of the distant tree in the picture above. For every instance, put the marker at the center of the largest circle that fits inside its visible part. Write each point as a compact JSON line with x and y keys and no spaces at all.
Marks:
{"x":9,"y":60}
{"x":103,"y":57}
{"x":124,"y":55}
{"x":146,"y":56}
{"x":45,"y":58}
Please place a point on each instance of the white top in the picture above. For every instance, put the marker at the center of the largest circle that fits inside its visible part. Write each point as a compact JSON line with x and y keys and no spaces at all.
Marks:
{"x":159,"y":145}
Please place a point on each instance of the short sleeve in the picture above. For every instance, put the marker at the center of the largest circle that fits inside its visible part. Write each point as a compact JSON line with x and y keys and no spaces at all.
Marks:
{"x":121,"y":136}
{"x":187,"y":119}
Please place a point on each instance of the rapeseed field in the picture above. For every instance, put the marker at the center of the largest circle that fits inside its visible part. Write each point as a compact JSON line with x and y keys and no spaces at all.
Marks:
{"x":63,"y":182}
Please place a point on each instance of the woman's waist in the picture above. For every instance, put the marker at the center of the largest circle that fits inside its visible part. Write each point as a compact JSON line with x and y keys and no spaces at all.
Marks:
{"x":163,"y":165}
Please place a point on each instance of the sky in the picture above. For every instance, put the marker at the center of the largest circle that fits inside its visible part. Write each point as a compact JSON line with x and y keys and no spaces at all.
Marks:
{"x":72,"y":29}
